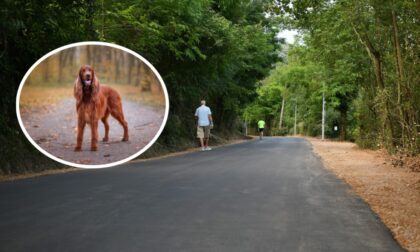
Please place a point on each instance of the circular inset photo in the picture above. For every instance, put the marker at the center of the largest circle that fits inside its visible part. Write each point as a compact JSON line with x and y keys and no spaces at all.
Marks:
{"x":92,"y":104}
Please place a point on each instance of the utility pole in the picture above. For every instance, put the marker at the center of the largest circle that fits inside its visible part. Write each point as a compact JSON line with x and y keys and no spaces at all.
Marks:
{"x":323,"y":115}
{"x":281,"y":114}
{"x":295,"y":116}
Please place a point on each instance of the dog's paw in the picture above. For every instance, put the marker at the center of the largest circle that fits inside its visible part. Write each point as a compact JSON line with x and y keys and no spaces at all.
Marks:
{"x":93,"y":148}
{"x":77,"y":148}
{"x":105,"y":139}
{"x":125,"y":139}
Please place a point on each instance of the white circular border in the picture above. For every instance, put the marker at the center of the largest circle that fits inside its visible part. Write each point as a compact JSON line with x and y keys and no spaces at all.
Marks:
{"x":162,"y":126}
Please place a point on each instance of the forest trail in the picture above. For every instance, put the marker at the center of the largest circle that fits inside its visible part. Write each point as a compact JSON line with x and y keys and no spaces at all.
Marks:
{"x":54,"y":129}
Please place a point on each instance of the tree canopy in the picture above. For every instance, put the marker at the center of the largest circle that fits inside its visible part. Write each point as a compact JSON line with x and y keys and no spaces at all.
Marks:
{"x":364,"y":56}
{"x":206,"y":49}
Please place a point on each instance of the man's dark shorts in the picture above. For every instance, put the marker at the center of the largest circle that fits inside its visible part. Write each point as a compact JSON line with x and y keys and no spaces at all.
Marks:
{"x":260,"y":129}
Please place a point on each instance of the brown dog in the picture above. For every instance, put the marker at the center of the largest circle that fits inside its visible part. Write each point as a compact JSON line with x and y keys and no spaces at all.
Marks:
{"x":95,"y":102}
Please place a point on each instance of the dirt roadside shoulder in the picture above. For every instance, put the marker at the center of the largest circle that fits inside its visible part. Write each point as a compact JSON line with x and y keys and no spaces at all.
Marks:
{"x":393,"y":193}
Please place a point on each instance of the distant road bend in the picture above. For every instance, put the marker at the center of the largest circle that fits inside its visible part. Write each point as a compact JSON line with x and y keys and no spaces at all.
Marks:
{"x":268,"y":195}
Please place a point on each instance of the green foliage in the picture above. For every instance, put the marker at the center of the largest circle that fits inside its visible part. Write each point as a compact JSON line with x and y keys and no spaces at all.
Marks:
{"x":29,"y":30}
{"x":216,"y":50}
{"x":364,"y":56}
{"x":212,"y":49}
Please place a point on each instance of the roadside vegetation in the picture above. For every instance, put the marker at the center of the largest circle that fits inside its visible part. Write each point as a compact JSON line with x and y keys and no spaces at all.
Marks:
{"x":364,"y":57}
{"x":216,"y":50}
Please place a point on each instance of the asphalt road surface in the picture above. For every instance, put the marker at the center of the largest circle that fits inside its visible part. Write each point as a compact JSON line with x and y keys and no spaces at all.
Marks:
{"x":269,"y":195}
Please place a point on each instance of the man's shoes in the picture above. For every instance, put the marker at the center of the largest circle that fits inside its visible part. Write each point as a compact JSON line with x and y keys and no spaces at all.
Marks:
{"x":203,"y":149}
{"x":208,"y":148}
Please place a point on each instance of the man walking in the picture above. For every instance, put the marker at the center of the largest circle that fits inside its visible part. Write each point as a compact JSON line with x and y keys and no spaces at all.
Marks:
{"x":261,"y":126}
{"x":204,"y":124}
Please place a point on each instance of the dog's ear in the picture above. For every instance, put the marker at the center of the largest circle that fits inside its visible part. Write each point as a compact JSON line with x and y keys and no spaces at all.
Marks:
{"x":95,"y":84}
{"x":93,"y":75}
{"x":81,"y":74}
{"x":78,"y":87}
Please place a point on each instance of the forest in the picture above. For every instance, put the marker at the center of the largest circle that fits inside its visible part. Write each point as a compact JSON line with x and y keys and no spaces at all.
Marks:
{"x":213,"y":50}
{"x":361,"y":55}
{"x":115,"y":67}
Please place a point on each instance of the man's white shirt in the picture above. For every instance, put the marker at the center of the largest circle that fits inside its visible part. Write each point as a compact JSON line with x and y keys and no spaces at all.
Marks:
{"x":203,"y":113}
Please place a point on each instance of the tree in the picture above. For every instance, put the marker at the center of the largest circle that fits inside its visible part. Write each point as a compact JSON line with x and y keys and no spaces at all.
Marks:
{"x":363,"y":50}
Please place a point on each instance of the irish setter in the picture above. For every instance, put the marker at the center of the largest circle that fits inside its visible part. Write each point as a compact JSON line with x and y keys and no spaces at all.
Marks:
{"x":95,"y":102}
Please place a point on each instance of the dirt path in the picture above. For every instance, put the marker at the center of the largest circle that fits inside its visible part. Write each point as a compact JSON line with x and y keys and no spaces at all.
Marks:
{"x":54,"y":129}
{"x":392,"y":192}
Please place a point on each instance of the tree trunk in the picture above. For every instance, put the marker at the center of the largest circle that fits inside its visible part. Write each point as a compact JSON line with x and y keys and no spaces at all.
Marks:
{"x":144,"y":78}
{"x":46,"y":68}
{"x":130,"y":68}
{"x":117,"y":66}
{"x":281,"y":114}
{"x":397,"y":46}
{"x":343,"y":125}
{"x":418,"y":6}
{"x":88,"y":55}
{"x":138,"y":75}
{"x":62,"y":60}
{"x":400,"y":81}
{"x":376,"y":58}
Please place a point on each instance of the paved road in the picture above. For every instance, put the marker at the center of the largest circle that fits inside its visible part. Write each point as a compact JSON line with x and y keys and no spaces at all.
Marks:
{"x":269,"y":195}
{"x":54,"y":130}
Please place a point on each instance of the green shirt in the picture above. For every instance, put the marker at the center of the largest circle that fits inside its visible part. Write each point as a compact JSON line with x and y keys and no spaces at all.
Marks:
{"x":261,"y":124}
